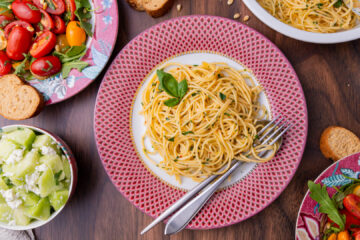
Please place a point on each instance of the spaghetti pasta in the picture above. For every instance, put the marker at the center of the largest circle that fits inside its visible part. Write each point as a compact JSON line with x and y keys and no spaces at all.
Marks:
{"x":216,"y":121}
{"x":323,"y":16}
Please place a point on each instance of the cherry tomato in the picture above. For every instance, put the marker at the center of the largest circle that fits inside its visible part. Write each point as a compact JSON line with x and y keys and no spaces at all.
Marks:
{"x":71,"y":7}
{"x":4,"y":20}
{"x":59,"y":25}
{"x":46,"y":22}
{"x":350,"y":219}
{"x":46,"y":66}
{"x":6,"y":12}
{"x":19,"y":43}
{"x":43,"y":44}
{"x":56,"y":7}
{"x":3,"y":41}
{"x":61,"y":43}
{"x":25,"y":10}
{"x":356,"y":235}
{"x":352,"y":204}
{"x":343,"y":235}
{"x":5,"y":63}
{"x":75,"y":35}
{"x":20,"y":23}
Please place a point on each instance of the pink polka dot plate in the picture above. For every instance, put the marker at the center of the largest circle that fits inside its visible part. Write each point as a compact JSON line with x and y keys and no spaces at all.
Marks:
{"x":309,"y":220}
{"x":191,"y":40}
{"x":99,"y":47}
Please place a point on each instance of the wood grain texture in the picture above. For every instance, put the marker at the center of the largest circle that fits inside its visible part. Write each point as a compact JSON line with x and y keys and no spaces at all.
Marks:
{"x":330,"y":76}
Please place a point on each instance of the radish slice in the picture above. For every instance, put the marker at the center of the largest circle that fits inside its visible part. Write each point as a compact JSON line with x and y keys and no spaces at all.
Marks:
{"x":312,"y":226}
{"x":302,"y":234}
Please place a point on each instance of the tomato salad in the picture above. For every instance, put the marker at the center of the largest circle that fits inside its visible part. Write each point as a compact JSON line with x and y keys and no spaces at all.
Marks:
{"x":342,"y":210}
{"x":40,"y":38}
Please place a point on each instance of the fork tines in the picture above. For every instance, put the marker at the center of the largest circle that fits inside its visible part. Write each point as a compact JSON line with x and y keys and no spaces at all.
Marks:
{"x":277,"y":127}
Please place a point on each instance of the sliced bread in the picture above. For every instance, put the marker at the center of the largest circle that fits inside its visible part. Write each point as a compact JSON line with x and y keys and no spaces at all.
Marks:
{"x":18,"y":100}
{"x":338,"y":142}
{"x":157,"y":8}
{"x":137,"y":4}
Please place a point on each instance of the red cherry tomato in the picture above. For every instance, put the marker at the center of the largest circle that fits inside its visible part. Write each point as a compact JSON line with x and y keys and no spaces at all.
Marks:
{"x":56,"y":7}
{"x":43,"y":44}
{"x":20,"y":23}
{"x":71,"y":7}
{"x":46,"y":22}
{"x":5,"y":63}
{"x":5,"y":20}
{"x":26,"y":11}
{"x":59,"y":25}
{"x":350,"y":219}
{"x":352,"y":204}
{"x":46,"y":66}
{"x":356,"y":235}
{"x":19,"y":43}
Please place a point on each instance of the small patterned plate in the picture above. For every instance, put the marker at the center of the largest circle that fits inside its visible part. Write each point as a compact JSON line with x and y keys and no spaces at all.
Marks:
{"x":181,"y":36}
{"x":309,"y":219}
{"x":99,"y":47}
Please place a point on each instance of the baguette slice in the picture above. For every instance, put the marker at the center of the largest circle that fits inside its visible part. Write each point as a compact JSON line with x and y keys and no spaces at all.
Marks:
{"x":157,"y":8}
{"x":338,"y":142}
{"x":18,"y":100}
{"x":137,"y":4}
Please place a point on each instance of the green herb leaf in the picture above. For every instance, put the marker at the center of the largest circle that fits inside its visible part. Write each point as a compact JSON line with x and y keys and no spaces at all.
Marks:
{"x":319,"y":5}
{"x":57,"y":176}
{"x":74,"y":53}
{"x":5,"y":3}
{"x":327,"y":205}
{"x":168,"y":83}
{"x":67,"y":67}
{"x":171,"y":139}
{"x":222,"y":96}
{"x":227,"y":114}
{"x":172,"y":102}
{"x":188,"y":132}
{"x":50,"y":4}
{"x":32,"y":7}
{"x":182,"y":88}
{"x":83,"y":15}
{"x":338,"y":3}
{"x":20,"y":69}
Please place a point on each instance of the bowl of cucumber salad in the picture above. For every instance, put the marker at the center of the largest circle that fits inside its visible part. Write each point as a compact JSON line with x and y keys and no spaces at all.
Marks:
{"x":37,"y":176}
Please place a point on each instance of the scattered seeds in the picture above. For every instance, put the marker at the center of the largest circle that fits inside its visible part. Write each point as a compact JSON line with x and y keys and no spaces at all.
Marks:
{"x":178,"y":7}
{"x":229,"y":2}
{"x":246,"y":18}
{"x":236,"y":15}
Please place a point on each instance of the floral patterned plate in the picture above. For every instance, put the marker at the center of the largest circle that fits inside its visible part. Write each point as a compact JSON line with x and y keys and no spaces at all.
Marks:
{"x":105,"y":26}
{"x":309,"y":219}
{"x":195,"y":39}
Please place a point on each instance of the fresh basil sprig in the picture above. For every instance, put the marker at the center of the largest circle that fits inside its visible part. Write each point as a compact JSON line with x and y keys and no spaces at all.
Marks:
{"x":169,"y":84}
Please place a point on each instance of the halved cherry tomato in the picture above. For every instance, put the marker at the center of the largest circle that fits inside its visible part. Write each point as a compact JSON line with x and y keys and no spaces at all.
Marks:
{"x":19,"y":43}
{"x":352,"y":204}
{"x":356,"y":235}
{"x":56,"y":7}
{"x":343,"y":235}
{"x":43,"y":44}
{"x":333,"y":236}
{"x":5,"y":63}
{"x":61,"y":43}
{"x":75,"y":35}
{"x":20,"y":23}
{"x":26,"y":11}
{"x":46,"y":21}
{"x":46,"y":66}
{"x":6,"y":12}
{"x":59,"y":25}
{"x":4,"y":20}
{"x":351,"y":221}
{"x":71,"y":7}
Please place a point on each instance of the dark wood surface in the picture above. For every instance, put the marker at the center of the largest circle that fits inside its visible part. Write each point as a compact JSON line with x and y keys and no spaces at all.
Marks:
{"x":329,"y":74}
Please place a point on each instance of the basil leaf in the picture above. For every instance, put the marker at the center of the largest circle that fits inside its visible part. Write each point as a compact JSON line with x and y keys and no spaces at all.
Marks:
{"x":188,"y":132}
{"x":182,"y":88}
{"x":172,"y":102}
{"x":67,"y":67}
{"x":168,"y":83}
{"x":222,"y":96}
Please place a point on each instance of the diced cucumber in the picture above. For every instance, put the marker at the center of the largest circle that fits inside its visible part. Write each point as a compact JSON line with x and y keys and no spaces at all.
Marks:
{"x":58,"y":198}
{"x":2,"y":200}
{"x":3,"y":185}
{"x":24,"y":137}
{"x":43,"y":140}
{"x":6,"y":148}
{"x":54,"y":162}
{"x":20,"y":217}
{"x":39,"y":211}
{"x":46,"y":183}
{"x":23,"y":167}
{"x":66,"y":165}
{"x":30,"y":198}
{"x":6,"y":213}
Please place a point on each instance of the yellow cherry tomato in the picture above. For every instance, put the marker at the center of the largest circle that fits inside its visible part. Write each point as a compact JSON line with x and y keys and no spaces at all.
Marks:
{"x":3,"y":40}
{"x":356,"y":191}
{"x":75,"y":35}
{"x":344,"y":235}
{"x":332,"y":236}
{"x":62,"y":44}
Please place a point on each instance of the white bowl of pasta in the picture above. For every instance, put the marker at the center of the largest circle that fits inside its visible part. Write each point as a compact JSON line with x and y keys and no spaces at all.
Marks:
{"x":316,"y":33}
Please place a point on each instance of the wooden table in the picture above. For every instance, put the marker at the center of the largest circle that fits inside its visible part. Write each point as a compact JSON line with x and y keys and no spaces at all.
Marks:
{"x":329,"y":74}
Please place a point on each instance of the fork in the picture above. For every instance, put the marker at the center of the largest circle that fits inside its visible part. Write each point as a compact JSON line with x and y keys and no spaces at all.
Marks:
{"x":180,"y":219}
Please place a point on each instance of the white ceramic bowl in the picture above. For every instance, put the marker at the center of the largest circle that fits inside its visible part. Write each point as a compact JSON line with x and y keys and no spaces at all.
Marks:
{"x":73,"y":169}
{"x":298,"y":34}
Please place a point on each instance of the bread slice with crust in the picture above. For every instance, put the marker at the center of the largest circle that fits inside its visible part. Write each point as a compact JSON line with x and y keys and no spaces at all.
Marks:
{"x":137,"y":4}
{"x":157,"y":8}
{"x":338,"y":142}
{"x":18,"y":100}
